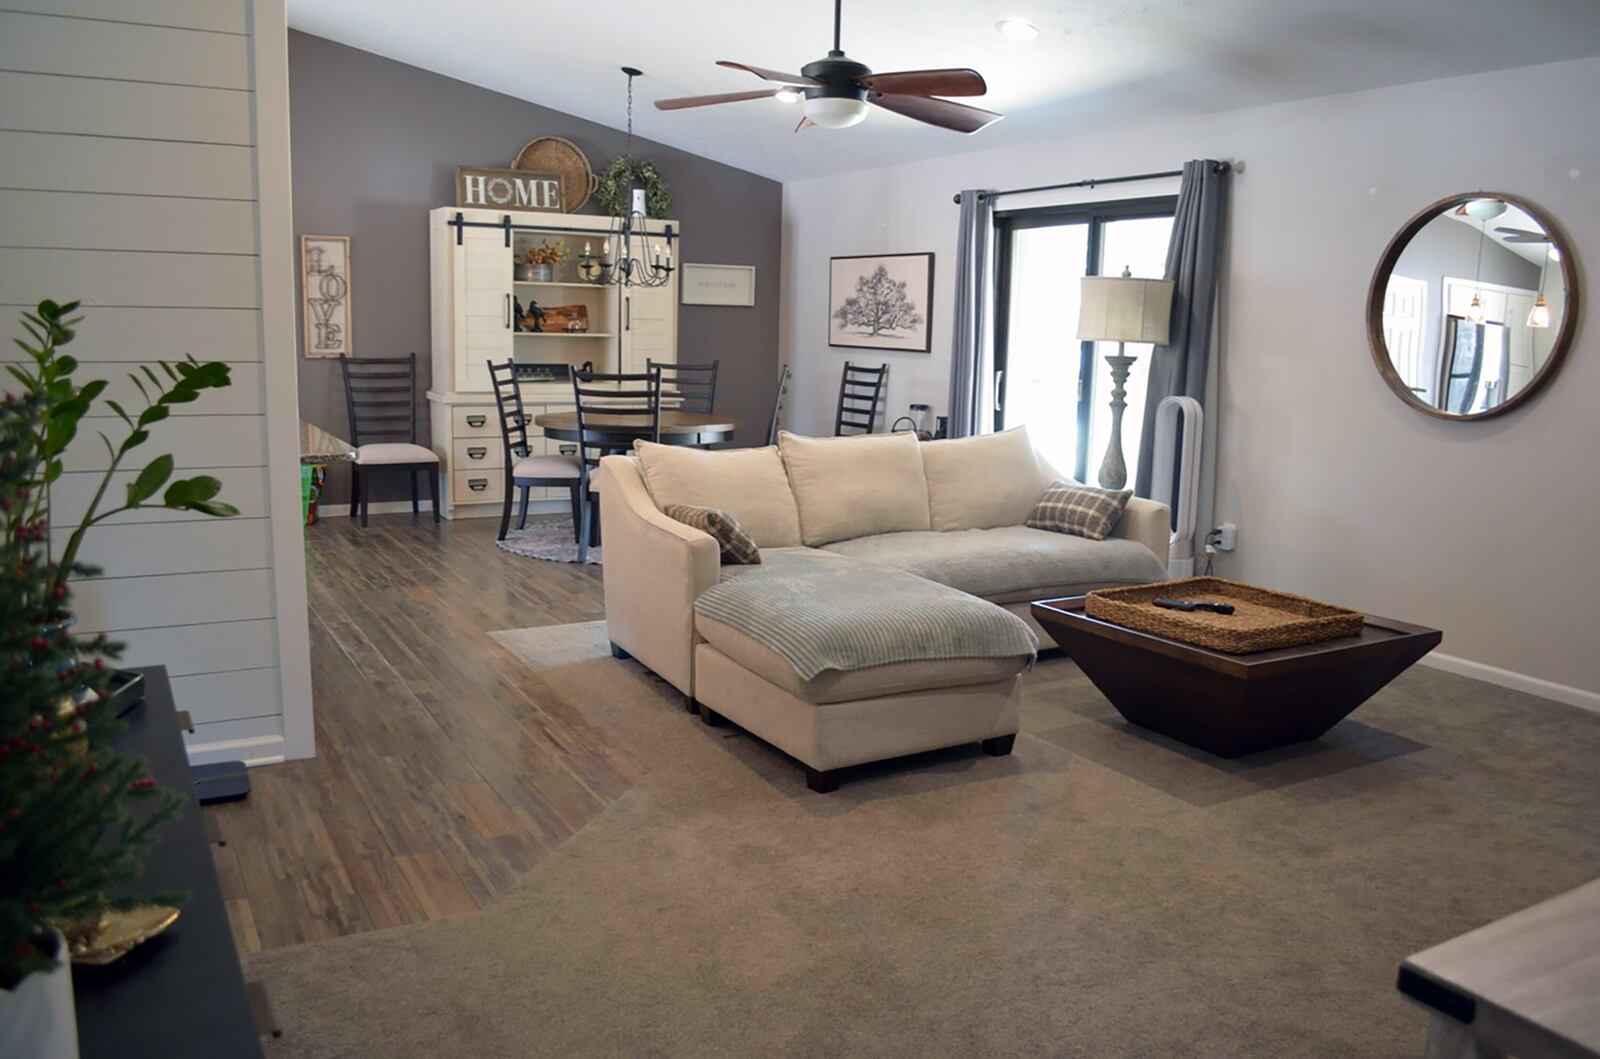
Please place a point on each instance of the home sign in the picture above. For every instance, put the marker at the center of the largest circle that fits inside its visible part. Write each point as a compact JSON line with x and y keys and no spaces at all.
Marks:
{"x":508,"y":189}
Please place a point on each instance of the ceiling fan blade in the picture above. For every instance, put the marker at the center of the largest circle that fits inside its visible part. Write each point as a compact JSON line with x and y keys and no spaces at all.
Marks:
{"x":1523,"y":235}
{"x":805,"y":123}
{"x":952,"y":82}
{"x":705,"y":101}
{"x":770,"y":75}
{"x":940,"y":112}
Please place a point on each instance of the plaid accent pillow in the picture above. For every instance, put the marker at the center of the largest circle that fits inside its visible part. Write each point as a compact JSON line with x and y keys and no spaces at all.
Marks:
{"x":737,"y":547}
{"x":1081,"y":510}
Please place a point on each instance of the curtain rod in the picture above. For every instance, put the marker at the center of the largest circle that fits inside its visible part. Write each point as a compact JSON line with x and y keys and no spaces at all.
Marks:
{"x":1220,"y":167}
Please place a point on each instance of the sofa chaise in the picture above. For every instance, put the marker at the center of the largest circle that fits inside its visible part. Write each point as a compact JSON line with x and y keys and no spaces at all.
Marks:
{"x":889,"y":613}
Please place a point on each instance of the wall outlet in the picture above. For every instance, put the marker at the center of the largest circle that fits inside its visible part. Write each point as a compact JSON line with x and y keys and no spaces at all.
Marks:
{"x":1226,"y":535}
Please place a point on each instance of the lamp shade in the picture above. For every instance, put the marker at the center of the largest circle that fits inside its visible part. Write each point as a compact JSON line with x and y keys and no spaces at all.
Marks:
{"x":1125,"y":309}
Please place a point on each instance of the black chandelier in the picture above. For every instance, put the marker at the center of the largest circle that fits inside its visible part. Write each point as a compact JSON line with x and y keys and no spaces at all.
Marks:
{"x":639,"y":261}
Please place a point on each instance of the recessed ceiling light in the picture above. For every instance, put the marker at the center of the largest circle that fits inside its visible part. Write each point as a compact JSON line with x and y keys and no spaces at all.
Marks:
{"x":790,"y":94}
{"x":1017,"y":28}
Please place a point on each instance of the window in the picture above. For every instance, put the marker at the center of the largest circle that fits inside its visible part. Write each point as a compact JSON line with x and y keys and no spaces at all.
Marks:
{"x":1044,"y":377}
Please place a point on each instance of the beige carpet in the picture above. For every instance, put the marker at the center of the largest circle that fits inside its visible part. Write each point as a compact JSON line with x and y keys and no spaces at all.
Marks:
{"x":1102,"y":892}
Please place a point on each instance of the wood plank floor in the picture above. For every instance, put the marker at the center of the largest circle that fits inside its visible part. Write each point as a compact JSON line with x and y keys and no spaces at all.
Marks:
{"x":445,"y":770}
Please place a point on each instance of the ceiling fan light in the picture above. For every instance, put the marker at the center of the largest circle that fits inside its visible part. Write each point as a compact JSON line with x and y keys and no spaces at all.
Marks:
{"x":789,"y":94}
{"x":1017,"y":29}
{"x":835,"y":112}
{"x":1539,"y":315}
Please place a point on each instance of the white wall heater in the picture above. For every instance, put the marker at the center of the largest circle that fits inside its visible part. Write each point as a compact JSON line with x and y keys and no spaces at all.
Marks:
{"x":1175,"y":475}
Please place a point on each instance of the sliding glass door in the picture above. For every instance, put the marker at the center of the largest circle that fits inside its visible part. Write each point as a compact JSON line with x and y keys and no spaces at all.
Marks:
{"x":1044,"y":377}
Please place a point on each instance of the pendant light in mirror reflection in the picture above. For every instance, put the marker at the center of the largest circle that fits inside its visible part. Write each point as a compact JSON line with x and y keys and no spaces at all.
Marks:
{"x":1473,"y":306}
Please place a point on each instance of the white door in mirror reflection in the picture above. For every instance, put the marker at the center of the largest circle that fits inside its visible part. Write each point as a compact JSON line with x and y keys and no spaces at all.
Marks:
{"x":1404,"y":303}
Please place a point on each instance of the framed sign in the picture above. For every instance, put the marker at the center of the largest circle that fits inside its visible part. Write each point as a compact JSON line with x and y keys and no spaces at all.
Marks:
{"x":509,"y":189}
{"x":880,"y":301}
{"x":717,"y":284}
{"x":325,"y":294}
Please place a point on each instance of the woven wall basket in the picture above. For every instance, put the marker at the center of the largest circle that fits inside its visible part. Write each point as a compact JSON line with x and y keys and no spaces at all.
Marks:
{"x":552,"y":154}
{"x":1262,"y":619}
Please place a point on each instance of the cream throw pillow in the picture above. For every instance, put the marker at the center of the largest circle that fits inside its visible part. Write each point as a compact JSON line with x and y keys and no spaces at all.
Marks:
{"x":983,"y":482}
{"x":855,"y":486}
{"x":749,"y":484}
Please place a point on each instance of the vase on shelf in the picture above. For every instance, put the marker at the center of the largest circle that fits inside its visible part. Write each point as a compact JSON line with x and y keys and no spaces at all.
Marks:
{"x":522,"y":272}
{"x":37,"y":1018}
{"x":542,"y":273}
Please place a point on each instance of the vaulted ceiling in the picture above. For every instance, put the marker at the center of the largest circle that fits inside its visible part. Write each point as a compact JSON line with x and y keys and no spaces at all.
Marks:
{"x":1094,"y":60}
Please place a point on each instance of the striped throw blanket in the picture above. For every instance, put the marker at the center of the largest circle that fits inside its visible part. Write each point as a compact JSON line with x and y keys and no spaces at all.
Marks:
{"x":821,"y":612}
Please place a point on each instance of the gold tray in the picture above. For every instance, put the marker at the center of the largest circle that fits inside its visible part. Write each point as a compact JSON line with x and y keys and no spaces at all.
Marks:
{"x":1263,"y":619}
{"x":118,"y":932}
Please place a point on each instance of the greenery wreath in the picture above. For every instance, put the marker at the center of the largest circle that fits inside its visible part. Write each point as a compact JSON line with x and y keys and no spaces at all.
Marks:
{"x":622,"y":175}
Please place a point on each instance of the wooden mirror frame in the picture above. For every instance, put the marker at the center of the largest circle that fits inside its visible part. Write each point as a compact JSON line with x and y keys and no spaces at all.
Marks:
{"x":1391,"y":257}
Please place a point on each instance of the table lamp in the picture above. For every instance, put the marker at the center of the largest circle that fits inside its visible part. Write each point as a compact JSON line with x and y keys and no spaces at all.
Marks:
{"x":1122,"y":309}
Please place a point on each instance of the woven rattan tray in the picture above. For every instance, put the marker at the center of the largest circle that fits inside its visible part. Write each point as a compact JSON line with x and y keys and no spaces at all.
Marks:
{"x":1263,"y":620}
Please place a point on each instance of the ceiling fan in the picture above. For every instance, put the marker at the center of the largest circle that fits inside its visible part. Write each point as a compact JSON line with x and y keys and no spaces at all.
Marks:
{"x":837,"y":90}
{"x":1522,"y":235}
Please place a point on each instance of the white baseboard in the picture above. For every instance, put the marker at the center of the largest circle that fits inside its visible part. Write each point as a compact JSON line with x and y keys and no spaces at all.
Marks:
{"x":1506,"y":678}
{"x":341,"y":508}
{"x":260,"y":750}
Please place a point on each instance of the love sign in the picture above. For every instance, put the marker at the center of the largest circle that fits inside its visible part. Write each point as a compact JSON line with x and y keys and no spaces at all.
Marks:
{"x":508,"y":189}
{"x":325,"y":294}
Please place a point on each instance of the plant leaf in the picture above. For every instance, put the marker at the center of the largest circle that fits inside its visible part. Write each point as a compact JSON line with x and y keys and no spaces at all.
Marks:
{"x":117,"y":408}
{"x":214,"y":508}
{"x":153,"y":477}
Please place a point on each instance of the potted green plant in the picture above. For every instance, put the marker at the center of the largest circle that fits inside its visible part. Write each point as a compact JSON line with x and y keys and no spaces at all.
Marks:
{"x":76,"y":817}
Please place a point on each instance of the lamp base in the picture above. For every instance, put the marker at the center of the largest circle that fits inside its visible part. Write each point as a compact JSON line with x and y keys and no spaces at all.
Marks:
{"x":1114,"y":469}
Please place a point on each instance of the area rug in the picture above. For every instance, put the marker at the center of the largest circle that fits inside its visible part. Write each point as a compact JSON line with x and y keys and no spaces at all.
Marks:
{"x":546,"y":537}
{"x":1101,"y":892}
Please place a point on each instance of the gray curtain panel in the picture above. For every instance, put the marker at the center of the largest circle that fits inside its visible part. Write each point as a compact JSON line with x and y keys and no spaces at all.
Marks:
{"x":967,"y":342}
{"x":1178,"y":369}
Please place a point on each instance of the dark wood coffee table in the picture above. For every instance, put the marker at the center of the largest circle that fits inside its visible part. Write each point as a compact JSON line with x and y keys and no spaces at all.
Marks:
{"x":1231,"y":705}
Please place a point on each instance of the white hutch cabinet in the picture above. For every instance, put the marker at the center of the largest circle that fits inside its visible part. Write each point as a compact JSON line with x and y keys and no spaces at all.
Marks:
{"x":474,"y":299}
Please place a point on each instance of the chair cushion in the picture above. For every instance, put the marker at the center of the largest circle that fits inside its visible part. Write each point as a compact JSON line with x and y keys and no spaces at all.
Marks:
{"x":545,"y":467}
{"x":1012,"y":562}
{"x":982,"y":482}
{"x":737,"y":547}
{"x":855,"y":486}
{"x":748,"y":484}
{"x":395,"y":452}
{"x":1081,"y":510}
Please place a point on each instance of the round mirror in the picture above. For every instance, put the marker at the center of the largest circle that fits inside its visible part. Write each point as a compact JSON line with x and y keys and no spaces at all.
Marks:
{"x":1473,"y":306}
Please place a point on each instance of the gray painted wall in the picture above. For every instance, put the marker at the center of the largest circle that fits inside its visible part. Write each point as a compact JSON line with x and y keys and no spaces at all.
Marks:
{"x":376,"y":143}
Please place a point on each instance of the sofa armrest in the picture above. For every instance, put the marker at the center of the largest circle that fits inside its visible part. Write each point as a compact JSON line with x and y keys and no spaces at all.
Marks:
{"x":653,"y":569}
{"x":1147,"y":522}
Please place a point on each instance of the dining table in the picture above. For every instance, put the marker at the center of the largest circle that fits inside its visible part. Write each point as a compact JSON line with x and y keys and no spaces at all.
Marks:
{"x":620,"y":432}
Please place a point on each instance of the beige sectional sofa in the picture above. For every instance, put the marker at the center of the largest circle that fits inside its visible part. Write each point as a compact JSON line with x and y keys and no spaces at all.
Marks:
{"x":949,"y":512}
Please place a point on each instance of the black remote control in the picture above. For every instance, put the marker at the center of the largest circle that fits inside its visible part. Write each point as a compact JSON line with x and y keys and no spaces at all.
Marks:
{"x":1194,"y":604}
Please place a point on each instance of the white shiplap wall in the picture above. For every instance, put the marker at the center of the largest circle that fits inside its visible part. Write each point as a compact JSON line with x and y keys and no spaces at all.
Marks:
{"x":144,"y":171}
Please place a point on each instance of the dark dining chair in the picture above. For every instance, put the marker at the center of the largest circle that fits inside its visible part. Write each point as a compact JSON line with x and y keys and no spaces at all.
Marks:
{"x":777,"y":404}
{"x":860,"y":390}
{"x":613,"y":411}
{"x":380,"y":394}
{"x":524,"y":469}
{"x":693,"y":386}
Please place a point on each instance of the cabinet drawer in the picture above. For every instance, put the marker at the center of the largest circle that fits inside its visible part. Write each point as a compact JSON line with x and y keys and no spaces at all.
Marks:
{"x":477,"y":486}
{"x":474,"y":421}
{"x":471,"y":453}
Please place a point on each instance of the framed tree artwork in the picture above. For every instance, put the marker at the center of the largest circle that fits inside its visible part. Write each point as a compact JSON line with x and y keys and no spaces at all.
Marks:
{"x":881,"y":301}
{"x":325,"y":294}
